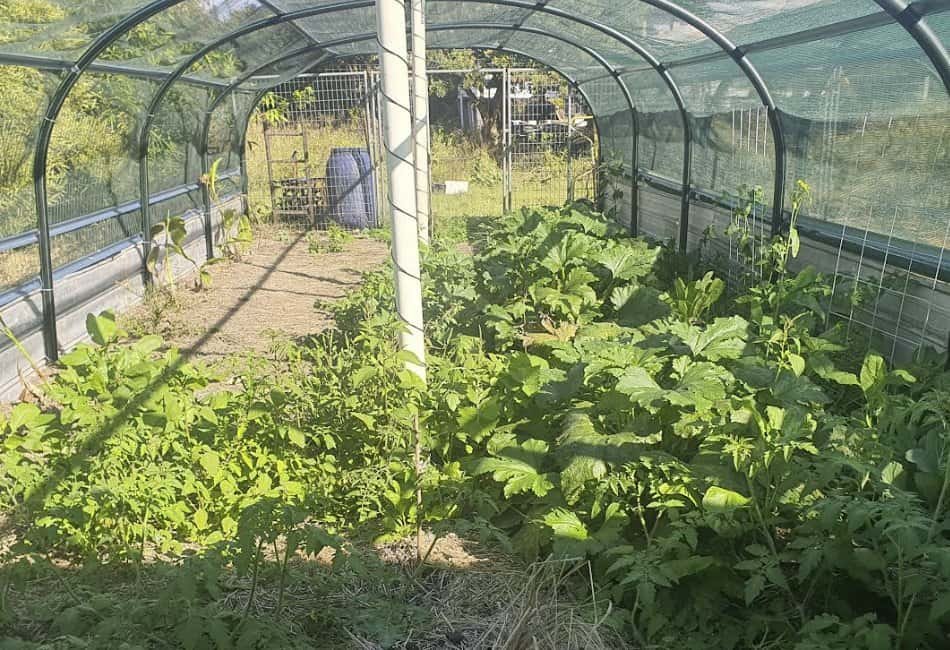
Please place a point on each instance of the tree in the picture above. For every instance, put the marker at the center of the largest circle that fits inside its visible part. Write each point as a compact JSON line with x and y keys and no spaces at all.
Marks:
{"x":475,"y":83}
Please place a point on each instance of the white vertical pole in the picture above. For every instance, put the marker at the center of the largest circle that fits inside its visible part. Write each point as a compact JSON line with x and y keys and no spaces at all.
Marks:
{"x":420,"y":116}
{"x":397,"y":139}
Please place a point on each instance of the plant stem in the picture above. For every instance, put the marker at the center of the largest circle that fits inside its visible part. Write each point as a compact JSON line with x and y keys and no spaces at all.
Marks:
{"x":771,"y":542}
{"x":643,"y":521}
{"x":250,"y":598}
{"x":417,"y":457}
{"x":283,"y":578}
{"x":902,"y":628}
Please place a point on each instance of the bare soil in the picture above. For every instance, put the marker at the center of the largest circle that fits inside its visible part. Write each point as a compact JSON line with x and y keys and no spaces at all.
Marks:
{"x":270,"y":293}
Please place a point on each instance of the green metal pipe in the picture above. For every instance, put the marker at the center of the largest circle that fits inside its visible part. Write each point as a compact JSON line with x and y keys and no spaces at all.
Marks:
{"x":41,"y":153}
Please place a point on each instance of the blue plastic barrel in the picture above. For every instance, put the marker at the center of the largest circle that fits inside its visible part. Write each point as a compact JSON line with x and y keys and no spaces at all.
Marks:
{"x":351,"y":188}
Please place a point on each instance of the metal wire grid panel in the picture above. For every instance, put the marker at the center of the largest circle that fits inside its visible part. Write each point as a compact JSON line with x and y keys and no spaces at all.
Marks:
{"x":888,"y":303}
{"x":501,"y":139}
{"x":551,"y":152}
{"x":319,"y":135}
{"x":466,"y":131}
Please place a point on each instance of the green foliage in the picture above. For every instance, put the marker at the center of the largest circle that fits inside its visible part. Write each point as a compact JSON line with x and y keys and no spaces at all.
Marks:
{"x":276,"y":110}
{"x":690,"y":301}
{"x":236,"y":226}
{"x":734,"y":477}
{"x":704,"y":452}
{"x":173,"y":232}
{"x":333,"y":241}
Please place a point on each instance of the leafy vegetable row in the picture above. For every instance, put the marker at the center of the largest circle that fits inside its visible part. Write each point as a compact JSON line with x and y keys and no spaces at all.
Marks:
{"x":738,"y":472}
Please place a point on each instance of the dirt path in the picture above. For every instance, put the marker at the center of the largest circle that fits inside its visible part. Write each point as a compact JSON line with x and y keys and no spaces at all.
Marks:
{"x":270,"y":292}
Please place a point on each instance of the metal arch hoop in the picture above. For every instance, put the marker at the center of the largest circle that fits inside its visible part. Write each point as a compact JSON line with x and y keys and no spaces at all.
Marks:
{"x":611,"y":70}
{"x":915,"y":25}
{"x":206,"y":131}
{"x":761,"y":89}
{"x":652,"y":61}
{"x":260,"y":94}
{"x":899,"y":10}
{"x":123,"y":27}
{"x":146,"y":129}
{"x":89,"y":56}
{"x":40,"y":156}
{"x":356,"y":4}
{"x":710,"y":32}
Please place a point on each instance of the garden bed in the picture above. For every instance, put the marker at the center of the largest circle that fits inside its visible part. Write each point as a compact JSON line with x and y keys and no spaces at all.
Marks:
{"x":674,"y":461}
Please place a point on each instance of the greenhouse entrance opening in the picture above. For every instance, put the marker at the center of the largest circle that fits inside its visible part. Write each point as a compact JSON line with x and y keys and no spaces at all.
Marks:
{"x":502,"y":139}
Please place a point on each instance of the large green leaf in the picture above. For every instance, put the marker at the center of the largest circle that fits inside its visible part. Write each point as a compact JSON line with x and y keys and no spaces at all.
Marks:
{"x":724,"y":338}
{"x":676,"y":570}
{"x":639,"y":386}
{"x":626,"y":263}
{"x":636,"y":306}
{"x":24,"y":415}
{"x":582,"y":450}
{"x":566,"y":524}
{"x":824,"y":367}
{"x":570,"y":297}
{"x":940,"y":609}
{"x":613,"y":358}
{"x":571,"y":537}
{"x":700,"y":384}
{"x":574,"y":218}
{"x":873,"y":373}
{"x":525,"y":373}
{"x":790,"y":388}
{"x":571,"y":247}
{"x":102,"y":329}
{"x":517,"y":467}
{"x":719,"y":499}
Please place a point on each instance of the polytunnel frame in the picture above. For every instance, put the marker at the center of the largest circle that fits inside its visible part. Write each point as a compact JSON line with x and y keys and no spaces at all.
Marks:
{"x":903,"y":13}
{"x":509,"y":50}
{"x":355,"y":38}
{"x":357,"y":4}
{"x":182,"y":69}
{"x":727,"y":46}
{"x":129,"y":22}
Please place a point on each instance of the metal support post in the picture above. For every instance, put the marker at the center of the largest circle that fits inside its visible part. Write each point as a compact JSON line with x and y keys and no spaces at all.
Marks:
{"x":397,"y":139}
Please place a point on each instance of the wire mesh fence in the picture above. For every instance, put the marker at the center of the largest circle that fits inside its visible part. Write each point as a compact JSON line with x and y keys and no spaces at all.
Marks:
{"x":551,"y":148}
{"x":501,"y":139}
{"x":315,"y":155}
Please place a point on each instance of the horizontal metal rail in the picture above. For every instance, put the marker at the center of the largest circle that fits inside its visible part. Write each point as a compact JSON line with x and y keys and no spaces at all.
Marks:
{"x":922,"y":8}
{"x":923,"y":259}
{"x":31,"y":237}
{"x":57,"y":65}
{"x":24,"y":289}
{"x":337,"y":73}
{"x":32,"y":286}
